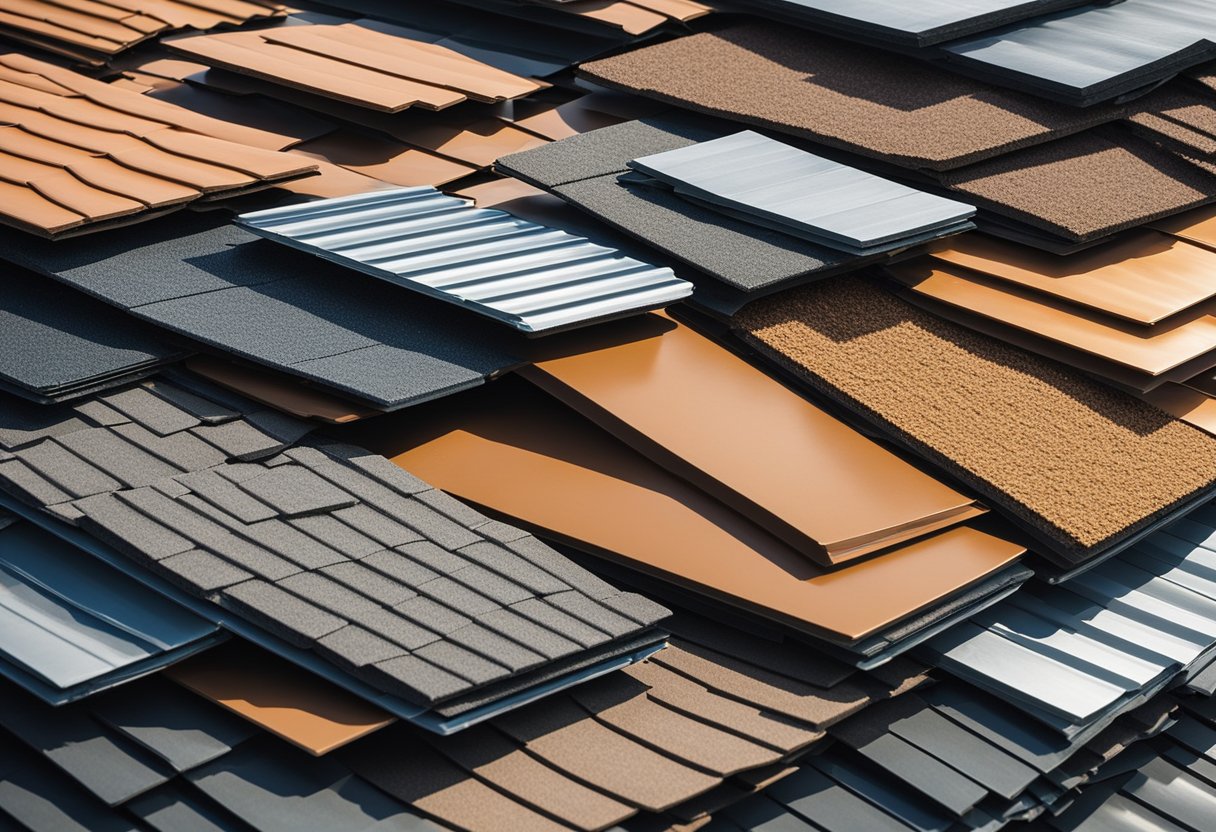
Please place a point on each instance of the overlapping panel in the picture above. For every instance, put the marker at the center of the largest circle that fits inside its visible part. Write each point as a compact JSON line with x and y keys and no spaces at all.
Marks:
{"x":364,"y":62}
{"x":766,"y":182}
{"x":530,"y":276}
{"x":709,"y":417}
{"x":576,"y":484}
{"x":1082,"y":468}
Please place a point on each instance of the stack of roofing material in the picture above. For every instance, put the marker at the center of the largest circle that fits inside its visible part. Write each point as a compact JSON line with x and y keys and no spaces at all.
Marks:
{"x":1075,"y":657}
{"x":1095,"y":53}
{"x":78,"y":155}
{"x":936,"y":763}
{"x":1086,"y":470}
{"x":765,"y":182}
{"x":905,"y":25}
{"x":1003,"y":150}
{"x":73,"y":626}
{"x":530,"y":277}
{"x":633,"y":17}
{"x":93,"y":31}
{"x":736,"y":526}
{"x":334,"y":556}
{"x":744,"y":259}
{"x":57,"y":344}
{"x":225,"y":288}
{"x":665,"y":742}
{"x":363,"y":62}
{"x":1167,"y":786}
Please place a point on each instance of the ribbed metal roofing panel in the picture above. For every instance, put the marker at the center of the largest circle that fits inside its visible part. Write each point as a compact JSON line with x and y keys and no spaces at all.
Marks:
{"x":1078,"y":654}
{"x":767,"y":182}
{"x":70,"y":625}
{"x":534,"y":278}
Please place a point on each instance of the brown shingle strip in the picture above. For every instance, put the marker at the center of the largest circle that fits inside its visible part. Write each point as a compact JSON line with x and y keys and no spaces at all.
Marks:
{"x":845,"y":95}
{"x":1085,"y":465}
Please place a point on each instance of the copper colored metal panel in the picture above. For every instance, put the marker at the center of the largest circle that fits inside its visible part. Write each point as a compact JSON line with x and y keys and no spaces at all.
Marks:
{"x":1144,"y":277}
{"x":303,"y":709}
{"x":1189,"y":405}
{"x":570,"y":480}
{"x":1152,"y":350}
{"x":712,"y":418}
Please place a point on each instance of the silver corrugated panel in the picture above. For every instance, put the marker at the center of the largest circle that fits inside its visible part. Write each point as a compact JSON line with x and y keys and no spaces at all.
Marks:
{"x":1077,"y":653}
{"x":532,"y":277}
{"x":766,"y":182}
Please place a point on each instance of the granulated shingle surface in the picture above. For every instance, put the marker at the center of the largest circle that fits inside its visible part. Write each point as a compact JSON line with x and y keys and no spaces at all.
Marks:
{"x":848,"y":96}
{"x":1081,"y":462}
{"x":1086,"y":187}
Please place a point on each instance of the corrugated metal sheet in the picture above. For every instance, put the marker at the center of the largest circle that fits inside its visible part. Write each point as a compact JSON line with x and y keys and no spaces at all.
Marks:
{"x":531,"y":277}
{"x":769,"y":183}
{"x":70,"y":626}
{"x":1076,"y":655}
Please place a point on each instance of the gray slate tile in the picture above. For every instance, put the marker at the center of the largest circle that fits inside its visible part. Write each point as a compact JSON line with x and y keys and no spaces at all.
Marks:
{"x":592,"y":612}
{"x":400,"y":568}
{"x":434,"y":526}
{"x":333,"y":532}
{"x":119,"y":457}
{"x":378,"y":526}
{"x":432,"y":615}
{"x":496,"y":648}
{"x":68,"y":471}
{"x":457,"y":596}
{"x":461,"y":662}
{"x":24,"y":481}
{"x":513,"y":567}
{"x":433,"y":557}
{"x":153,"y":412}
{"x":201,"y":408}
{"x":370,"y":583}
{"x":294,"y":491}
{"x":287,"y":616}
{"x":354,"y":647}
{"x":224,"y":494}
{"x":184,"y":451}
{"x":99,"y":413}
{"x":490,"y":584}
{"x":202,"y":572}
{"x":528,"y":633}
{"x":239,"y":440}
{"x":426,"y":681}
{"x":274,"y":535}
{"x":328,"y":594}
{"x":397,"y":628}
{"x":116,"y":522}
{"x":637,"y":607}
{"x":549,"y":616}
{"x":547,"y":558}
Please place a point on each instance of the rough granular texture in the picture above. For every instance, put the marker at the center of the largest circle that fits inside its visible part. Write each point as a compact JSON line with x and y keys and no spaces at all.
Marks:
{"x":1081,"y":462}
{"x":1178,"y":119}
{"x":871,"y":102}
{"x":1088,"y":186}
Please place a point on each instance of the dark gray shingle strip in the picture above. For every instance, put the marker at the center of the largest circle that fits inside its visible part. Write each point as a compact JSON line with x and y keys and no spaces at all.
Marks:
{"x":274,"y":535}
{"x":67,"y":471}
{"x":224,"y":494}
{"x":400,"y":568}
{"x":287,"y":616}
{"x":457,"y":596}
{"x":431,"y":614}
{"x":435,"y":558}
{"x":129,"y":530}
{"x":239,"y":440}
{"x":183,"y":451}
{"x":529,"y":634}
{"x":293,"y":490}
{"x":463,"y":663}
{"x":370,"y":583}
{"x":378,"y":526}
{"x":397,"y":628}
{"x":100,"y":413}
{"x":377,"y":467}
{"x":336,"y":534}
{"x":202,"y":572}
{"x":492,"y":646}
{"x":592,"y":612}
{"x":452,"y":508}
{"x":24,"y":423}
{"x":639,"y":608}
{"x":354,"y":648}
{"x":153,"y":412}
{"x":25,"y":482}
{"x":513,"y":567}
{"x":552,"y":618}
{"x":491,"y":585}
{"x":547,"y":558}
{"x":429,"y":681}
{"x":207,"y":410}
{"x":120,"y":458}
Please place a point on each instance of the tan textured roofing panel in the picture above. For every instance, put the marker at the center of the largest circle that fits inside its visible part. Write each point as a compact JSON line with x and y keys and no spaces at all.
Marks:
{"x":567,"y":478}
{"x":290,"y":703}
{"x":712,"y":418}
{"x":1153,"y":350}
{"x":280,"y":392}
{"x":1081,"y":462}
{"x":842,"y":94}
{"x":1144,"y":277}
{"x":358,"y":64}
{"x":1086,"y":187}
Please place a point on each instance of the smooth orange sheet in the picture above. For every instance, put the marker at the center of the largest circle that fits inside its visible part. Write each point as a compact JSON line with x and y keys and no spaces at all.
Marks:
{"x":708,"y":416}
{"x":519,"y":454}
{"x":291,"y":703}
{"x":1144,"y":277}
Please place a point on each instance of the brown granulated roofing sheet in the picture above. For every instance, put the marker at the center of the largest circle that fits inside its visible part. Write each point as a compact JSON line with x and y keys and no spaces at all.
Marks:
{"x":570,"y":480}
{"x":713,"y":419}
{"x":365,"y":63}
{"x":1085,"y":187}
{"x":1178,"y":119}
{"x":88,"y":158}
{"x":1144,"y":277}
{"x":1081,"y":463}
{"x":1170,"y":347}
{"x":300,"y":707}
{"x":108,"y":27}
{"x":853,"y":97}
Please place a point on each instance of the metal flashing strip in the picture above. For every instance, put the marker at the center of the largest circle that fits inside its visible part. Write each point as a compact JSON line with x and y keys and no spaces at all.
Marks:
{"x":531,"y":277}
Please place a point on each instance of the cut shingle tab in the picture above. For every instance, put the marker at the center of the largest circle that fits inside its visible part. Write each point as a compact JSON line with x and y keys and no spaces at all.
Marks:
{"x":294,"y":490}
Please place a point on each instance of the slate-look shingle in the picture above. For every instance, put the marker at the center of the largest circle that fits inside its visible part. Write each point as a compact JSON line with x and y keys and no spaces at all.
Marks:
{"x":330,"y":547}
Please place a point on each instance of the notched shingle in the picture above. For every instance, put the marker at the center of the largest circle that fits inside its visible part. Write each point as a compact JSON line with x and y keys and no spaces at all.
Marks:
{"x":464,"y":663}
{"x":354,"y":647}
{"x":369,"y":582}
{"x":239,"y":440}
{"x":431,"y":614}
{"x":120,"y":458}
{"x":491,"y":645}
{"x":287,"y":616}
{"x":332,"y":532}
{"x":400,"y":568}
{"x":182,"y":450}
{"x":202,"y":572}
{"x":119,"y":524}
{"x":153,"y":412}
{"x":422,"y":681}
{"x":224,"y":494}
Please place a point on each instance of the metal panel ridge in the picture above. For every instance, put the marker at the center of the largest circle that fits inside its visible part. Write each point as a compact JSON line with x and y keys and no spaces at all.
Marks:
{"x":531,"y":277}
